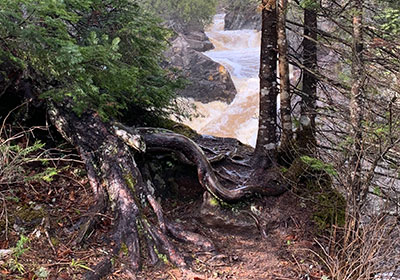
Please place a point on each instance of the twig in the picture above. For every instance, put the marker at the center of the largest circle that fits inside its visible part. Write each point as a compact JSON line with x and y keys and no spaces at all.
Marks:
{"x":172,"y":275}
{"x":9,"y":113}
{"x":46,"y":226}
{"x":55,"y":159}
{"x":76,"y":181}
{"x":4,"y":212}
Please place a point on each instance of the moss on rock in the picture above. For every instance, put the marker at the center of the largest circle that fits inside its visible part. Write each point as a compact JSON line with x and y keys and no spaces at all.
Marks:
{"x":312,"y":180}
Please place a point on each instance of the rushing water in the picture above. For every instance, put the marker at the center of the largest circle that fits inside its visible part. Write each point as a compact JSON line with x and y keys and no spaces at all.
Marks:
{"x":239,"y":52}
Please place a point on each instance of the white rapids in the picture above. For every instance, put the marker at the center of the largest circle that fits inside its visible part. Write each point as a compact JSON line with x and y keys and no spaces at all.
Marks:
{"x":239,"y":52}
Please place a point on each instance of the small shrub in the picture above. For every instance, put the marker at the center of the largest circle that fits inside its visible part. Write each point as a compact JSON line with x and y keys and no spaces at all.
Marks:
{"x":16,"y":155}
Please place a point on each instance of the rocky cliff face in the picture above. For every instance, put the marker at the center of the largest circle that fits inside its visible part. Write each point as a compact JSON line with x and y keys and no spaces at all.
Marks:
{"x":243,"y":18}
{"x":208,"y":80}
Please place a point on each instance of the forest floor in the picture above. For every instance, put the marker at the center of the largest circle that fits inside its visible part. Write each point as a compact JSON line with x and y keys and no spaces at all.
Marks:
{"x":36,"y":221}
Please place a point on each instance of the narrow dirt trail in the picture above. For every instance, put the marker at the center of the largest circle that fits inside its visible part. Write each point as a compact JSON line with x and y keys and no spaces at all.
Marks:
{"x":242,"y":253}
{"x":260,"y":238}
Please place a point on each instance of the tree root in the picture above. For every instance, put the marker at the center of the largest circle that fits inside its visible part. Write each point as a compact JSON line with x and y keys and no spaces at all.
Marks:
{"x":269,"y":183}
{"x":176,"y":230}
{"x":118,"y":185}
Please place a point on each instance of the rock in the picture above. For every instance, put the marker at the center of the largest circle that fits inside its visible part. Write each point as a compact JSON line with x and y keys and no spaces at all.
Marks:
{"x":213,"y":215}
{"x":197,"y":35}
{"x":194,"y":35}
{"x":200,"y":46}
{"x":199,"y":41}
{"x":208,"y":80}
{"x":5,"y":253}
{"x":243,"y":18}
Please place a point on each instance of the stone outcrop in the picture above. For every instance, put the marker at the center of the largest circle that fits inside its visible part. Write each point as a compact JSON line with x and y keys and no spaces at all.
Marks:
{"x":208,"y":80}
{"x":243,"y":18}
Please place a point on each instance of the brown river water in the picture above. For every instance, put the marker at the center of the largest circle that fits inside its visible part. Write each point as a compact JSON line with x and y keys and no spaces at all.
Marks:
{"x":239,"y":52}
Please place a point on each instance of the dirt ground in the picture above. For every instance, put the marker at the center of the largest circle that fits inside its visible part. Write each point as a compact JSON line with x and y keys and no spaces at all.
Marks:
{"x":242,"y":253}
{"x":36,"y":223}
{"x":45,"y":213}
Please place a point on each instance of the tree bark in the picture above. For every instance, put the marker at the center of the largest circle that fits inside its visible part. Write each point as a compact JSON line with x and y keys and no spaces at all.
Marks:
{"x":306,"y":137}
{"x":266,"y":146}
{"x":117,"y":184}
{"x":112,"y":175}
{"x":355,"y":191}
{"x":285,"y":100}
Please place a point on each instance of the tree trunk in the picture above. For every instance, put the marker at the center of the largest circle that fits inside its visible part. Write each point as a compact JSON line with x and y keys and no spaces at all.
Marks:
{"x":306,"y":136}
{"x":266,"y":146}
{"x":117,"y":183}
{"x":285,"y":105}
{"x":113,"y":175}
{"x":355,"y":190}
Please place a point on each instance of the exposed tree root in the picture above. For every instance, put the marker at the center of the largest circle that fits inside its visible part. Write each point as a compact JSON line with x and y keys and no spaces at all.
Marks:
{"x":118,"y":185}
{"x":112,"y":174}
{"x":176,"y":230}
{"x":269,"y":183}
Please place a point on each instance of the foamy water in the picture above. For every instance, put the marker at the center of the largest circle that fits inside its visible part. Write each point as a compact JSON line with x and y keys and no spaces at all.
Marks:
{"x":239,"y":52}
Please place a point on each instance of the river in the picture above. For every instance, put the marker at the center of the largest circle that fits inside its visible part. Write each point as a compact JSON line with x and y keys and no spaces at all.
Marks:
{"x":239,"y":52}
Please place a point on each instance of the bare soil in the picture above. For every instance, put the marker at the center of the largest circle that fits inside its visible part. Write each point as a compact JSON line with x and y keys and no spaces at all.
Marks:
{"x":45,"y":212}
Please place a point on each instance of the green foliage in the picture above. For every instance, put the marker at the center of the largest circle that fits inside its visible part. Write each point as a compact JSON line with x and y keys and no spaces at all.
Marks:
{"x":309,"y":4}
{"x":314,"y":183}
{"x":14,"y":158}
{"x":46,"y":175}
{"x":329,"y":207}
{"x":42,"y":273}
{"x":327,"y":204}
{"x":101,"y":55}
{"x":377,"y":191}
{"x":192,"y":12}
{"x":19,"y":249}
{"x":318,"y":165}
{"x":390,"y":20}
{"x":77,"y":264}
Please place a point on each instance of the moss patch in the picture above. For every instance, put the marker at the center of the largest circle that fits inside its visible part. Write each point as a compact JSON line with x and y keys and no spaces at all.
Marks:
{"x":25,"y":216}
{"x":213,"y":201}
{"x":312,"y":180}
{"x":177,"y":128}
{"x":329,"y":205}
{"x":161,"y":256}
{"x":130,"y":181}
{"x":124,"y":249}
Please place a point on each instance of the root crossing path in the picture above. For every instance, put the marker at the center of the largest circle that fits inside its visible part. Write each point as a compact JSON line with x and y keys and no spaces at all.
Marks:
{"x":119,"y":185}
{"x":241,"y":251}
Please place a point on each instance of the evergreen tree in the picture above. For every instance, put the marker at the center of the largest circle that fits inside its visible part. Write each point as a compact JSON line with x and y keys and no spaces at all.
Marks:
{"x":102,"y":56}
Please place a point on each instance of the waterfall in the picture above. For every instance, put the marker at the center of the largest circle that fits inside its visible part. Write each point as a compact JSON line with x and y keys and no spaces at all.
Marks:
{"x":239,"y":52}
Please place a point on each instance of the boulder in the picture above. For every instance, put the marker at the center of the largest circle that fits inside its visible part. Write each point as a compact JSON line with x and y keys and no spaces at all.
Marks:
{"x":208,"y":80}
{"x":243,"y":18}
{"x":193,"y":34}
{"x":199,"y":41}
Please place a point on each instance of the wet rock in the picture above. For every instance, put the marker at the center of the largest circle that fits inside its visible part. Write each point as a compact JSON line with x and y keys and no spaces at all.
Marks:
{"x":208,"y":80}
{"x":199,"y":41}
{"x":213,"y":215}
{"x":243,"y":18}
